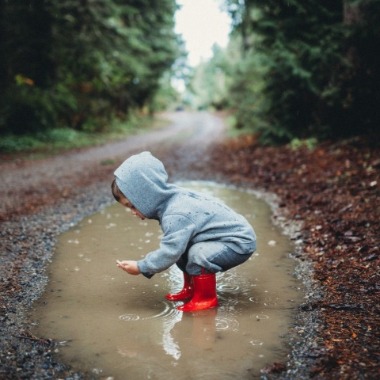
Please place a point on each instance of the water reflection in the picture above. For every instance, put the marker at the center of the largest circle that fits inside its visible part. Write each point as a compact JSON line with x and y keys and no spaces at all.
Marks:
{"x":115,"y":324}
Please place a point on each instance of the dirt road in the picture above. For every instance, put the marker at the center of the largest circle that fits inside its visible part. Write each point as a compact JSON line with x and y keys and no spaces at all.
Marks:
{"x":42,"y":198}
{"x":333,"y":190}
{"x":26,"y":185}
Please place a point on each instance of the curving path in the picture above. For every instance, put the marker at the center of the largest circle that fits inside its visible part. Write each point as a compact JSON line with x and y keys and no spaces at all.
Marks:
{"x":26,"y":186}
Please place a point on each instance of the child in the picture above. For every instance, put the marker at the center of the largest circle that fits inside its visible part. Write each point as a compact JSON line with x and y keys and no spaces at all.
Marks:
{"x":200,"y":234}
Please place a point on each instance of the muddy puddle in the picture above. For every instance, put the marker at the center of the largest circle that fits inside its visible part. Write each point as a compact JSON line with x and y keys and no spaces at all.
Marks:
{"x":119,"y":326}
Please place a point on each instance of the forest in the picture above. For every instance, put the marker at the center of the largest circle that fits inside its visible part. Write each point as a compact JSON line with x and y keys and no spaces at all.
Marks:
{"x":297,"y":89}
{"x":81,"y":65}
{"x":293,"y":70}
{"x":299,"y":69}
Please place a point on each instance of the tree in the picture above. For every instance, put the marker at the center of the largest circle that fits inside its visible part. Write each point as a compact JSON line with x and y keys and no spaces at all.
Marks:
{"x":27,"y":70}
{"x":209,"y":81}
{"x":300,"y":76}
{"x":123,"y":48}
{"x":81,"y":63}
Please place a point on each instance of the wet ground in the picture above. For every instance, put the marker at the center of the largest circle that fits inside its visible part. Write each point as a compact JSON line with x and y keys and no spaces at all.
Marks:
{"x":327,"y":200}
{"x":334,"y":190}
{"x":110,"y":323}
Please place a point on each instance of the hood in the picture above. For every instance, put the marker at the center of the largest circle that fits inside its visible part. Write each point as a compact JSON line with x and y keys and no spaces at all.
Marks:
{"x":142,"y":178}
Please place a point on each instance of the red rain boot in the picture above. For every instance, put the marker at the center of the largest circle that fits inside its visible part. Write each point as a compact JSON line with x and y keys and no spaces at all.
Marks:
{"x":204,"y":294}
{"x":185,"y":293}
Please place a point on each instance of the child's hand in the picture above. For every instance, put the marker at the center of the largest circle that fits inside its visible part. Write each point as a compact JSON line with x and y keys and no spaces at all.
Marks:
{"x":129,"y":266}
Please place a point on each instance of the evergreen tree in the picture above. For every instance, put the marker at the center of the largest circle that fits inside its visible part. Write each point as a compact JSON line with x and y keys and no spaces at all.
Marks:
{"x":81,"y":63}
{"x":300,"y":67}
{"x":27,"y":70}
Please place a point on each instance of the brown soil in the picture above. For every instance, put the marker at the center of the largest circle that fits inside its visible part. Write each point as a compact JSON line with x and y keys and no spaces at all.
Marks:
{"x":332,"y":190}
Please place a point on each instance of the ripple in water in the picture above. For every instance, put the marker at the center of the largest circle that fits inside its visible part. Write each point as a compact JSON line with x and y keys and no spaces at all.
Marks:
{"x":261,"y":317}
{"x":226,"y":323}
{"x":167,"y":312}
{"x":256,"y":342}
{"x":129,"y":317}
{"x":229,"y":288}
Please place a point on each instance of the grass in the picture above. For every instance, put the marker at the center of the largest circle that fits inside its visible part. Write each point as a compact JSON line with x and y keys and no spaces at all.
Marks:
{"x":56,"y":140}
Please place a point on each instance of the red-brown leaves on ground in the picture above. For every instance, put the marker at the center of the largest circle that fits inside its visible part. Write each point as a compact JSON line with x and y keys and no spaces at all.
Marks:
{"x":334,"y":190}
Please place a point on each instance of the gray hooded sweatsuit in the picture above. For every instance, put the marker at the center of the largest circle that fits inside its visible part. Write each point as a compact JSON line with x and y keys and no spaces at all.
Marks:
{"x":199,"y":231}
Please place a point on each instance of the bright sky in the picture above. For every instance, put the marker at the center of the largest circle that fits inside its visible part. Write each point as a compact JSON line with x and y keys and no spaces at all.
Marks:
{"x":202,"y":24}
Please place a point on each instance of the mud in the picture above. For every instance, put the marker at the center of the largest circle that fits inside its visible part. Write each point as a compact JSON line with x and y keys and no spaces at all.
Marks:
{"x":113,"y":324}
{"x":43,"y":198}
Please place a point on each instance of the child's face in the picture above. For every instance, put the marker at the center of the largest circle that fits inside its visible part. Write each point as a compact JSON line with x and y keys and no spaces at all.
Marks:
{"x":125,"y":202}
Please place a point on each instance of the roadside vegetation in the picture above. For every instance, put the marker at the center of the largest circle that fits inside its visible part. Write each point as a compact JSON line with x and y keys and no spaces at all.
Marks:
{"x":299,"y":87}
{"x":298,"y":72}
{"x":297,"y":69}
{"x":72,"y":74}
{"x":53,"y":141}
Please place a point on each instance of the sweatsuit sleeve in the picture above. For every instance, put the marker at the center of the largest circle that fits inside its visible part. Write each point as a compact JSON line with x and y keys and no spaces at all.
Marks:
{"x":178,"y":231}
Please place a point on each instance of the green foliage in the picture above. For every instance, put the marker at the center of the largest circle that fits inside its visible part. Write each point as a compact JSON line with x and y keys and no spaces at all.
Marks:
{"x":51,"y":140}
{"x":12,"y":143}
{"x":310,"y":143}
{"x":166,"y":96}
{"x":81,"y":64}
{"x":26,"y":109}
{"x":306,"y":68}
{"x":209,"y":81}
{"x":360,"y":85}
